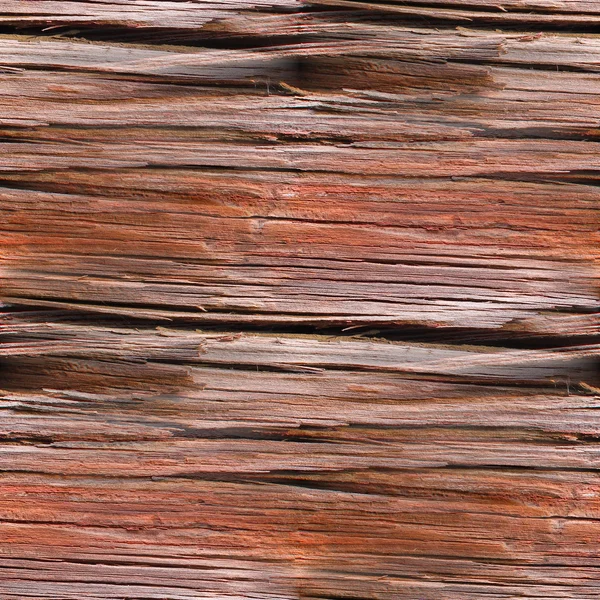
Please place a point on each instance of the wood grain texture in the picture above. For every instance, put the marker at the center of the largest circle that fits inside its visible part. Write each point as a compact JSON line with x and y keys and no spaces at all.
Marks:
{"x":153,"y":462}
{"x":300,"y":300}
{"x":342,"y":203}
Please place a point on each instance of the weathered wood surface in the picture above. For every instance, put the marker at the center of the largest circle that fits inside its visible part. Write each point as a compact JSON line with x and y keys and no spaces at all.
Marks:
{"x":300,"y":300}
{"x":341,"y":206}
{"x":154,"y":463}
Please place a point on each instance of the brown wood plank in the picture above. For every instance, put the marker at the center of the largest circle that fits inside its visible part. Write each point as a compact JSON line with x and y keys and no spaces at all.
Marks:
{"x":302,"y":483}
{"x":276,"y":248}
{"x":300,"y":300}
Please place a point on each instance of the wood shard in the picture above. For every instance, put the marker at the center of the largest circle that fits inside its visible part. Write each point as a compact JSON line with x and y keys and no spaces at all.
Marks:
{"x":299,"y":299}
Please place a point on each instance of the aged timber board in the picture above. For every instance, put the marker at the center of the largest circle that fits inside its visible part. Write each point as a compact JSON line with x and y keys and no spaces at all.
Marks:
{"x":300,"y":300}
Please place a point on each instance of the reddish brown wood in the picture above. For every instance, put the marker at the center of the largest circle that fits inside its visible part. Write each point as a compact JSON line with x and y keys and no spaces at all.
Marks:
{"x":300,"y":300}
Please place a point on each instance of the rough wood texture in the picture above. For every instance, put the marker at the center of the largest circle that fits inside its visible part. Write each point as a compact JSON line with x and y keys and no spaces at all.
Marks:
{"x":164,"y":462}
{"x":300,"y":300}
